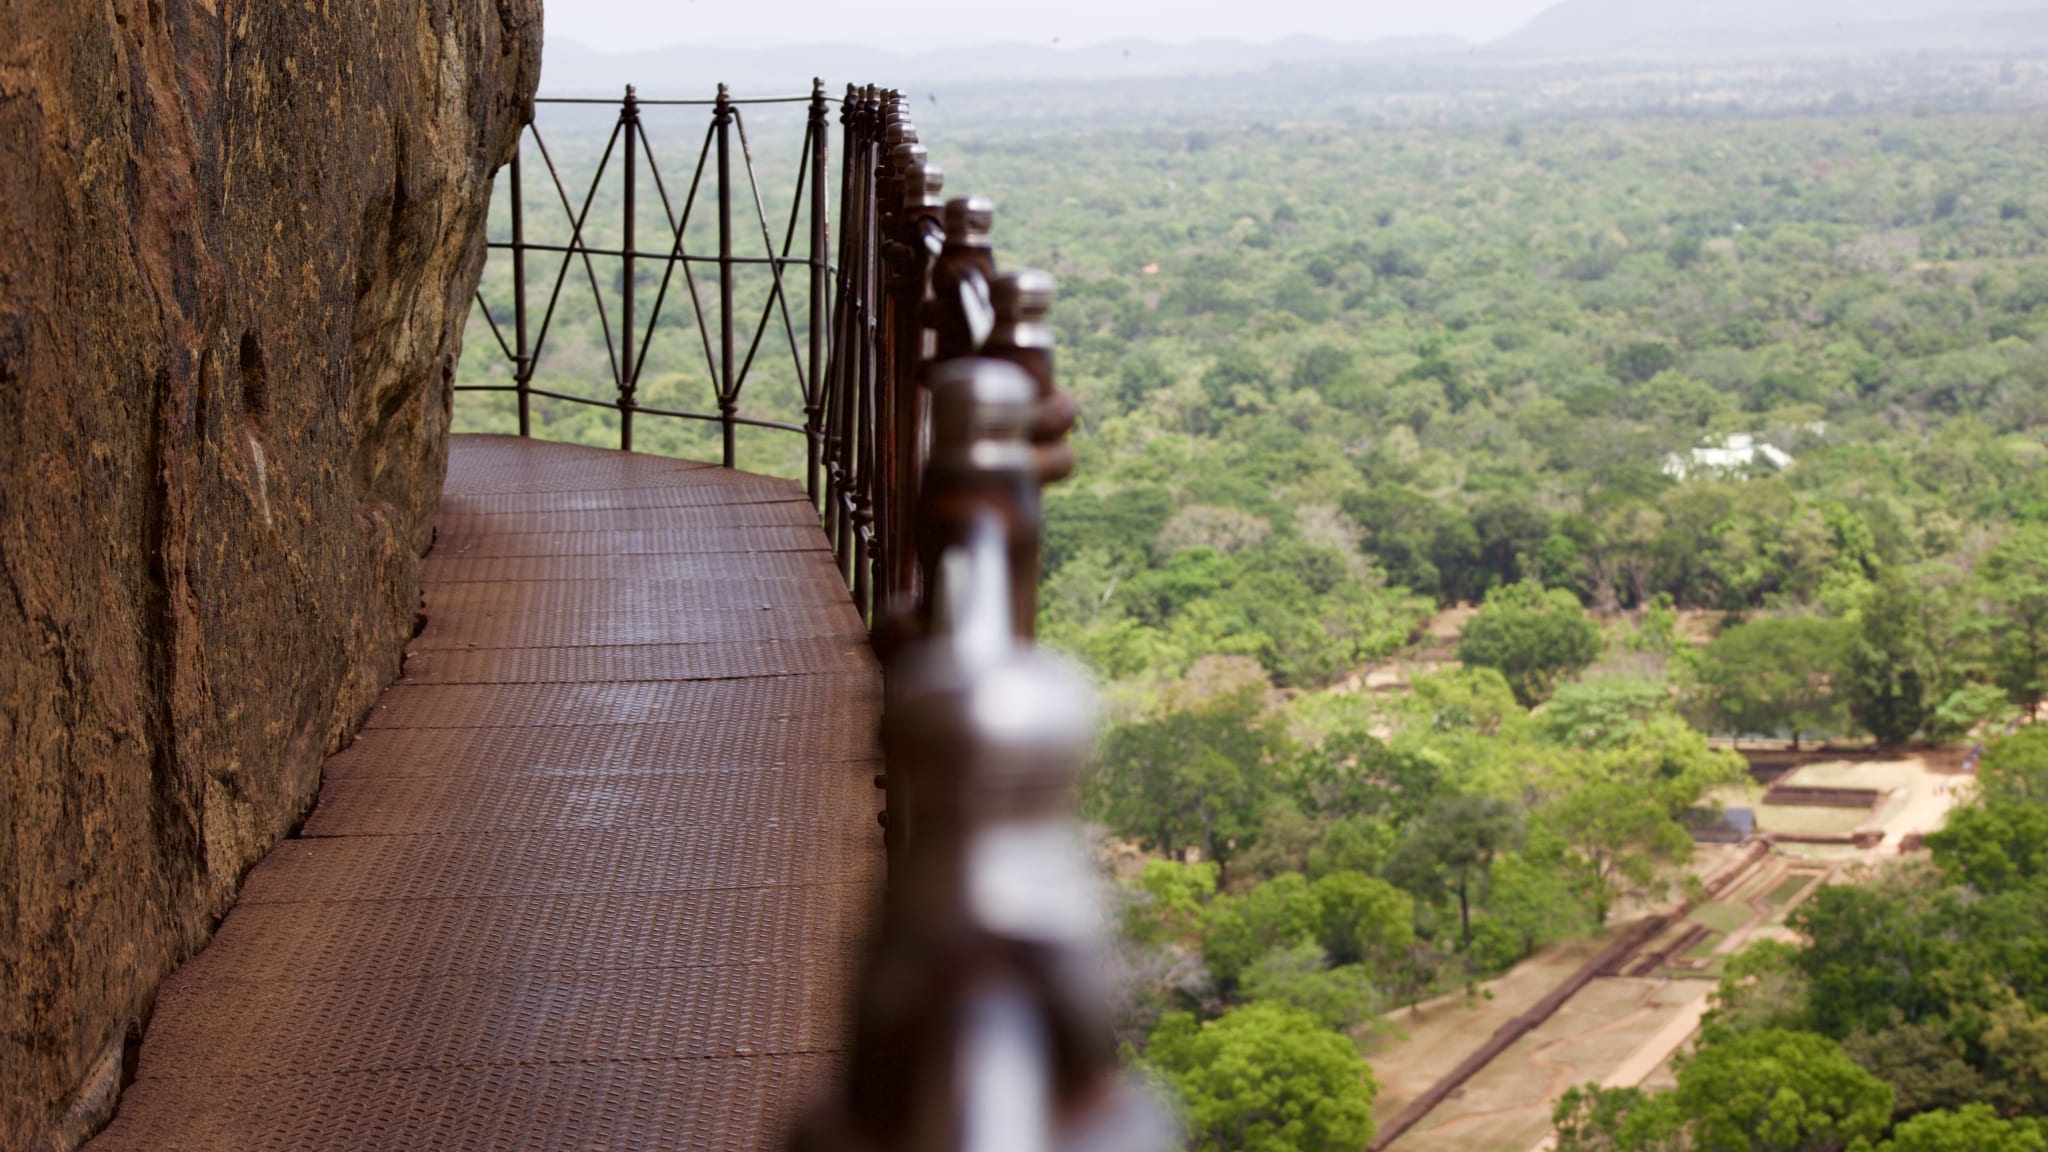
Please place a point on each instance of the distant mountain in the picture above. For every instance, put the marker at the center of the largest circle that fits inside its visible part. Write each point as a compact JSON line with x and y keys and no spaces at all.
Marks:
{"x":1599,"y":27}
{"x":694,"y":69}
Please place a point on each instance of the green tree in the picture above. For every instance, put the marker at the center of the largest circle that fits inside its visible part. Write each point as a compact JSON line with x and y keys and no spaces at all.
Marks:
{"x":1994,"y":847}
{"x":1768,"y":1091}
{"x":1619,"y":809}
{"x":1452,"y":847}
{"x":2014,"y":577}
{"x":1362,"y":919}
{"x":1341,"y":998}
{"x":1776,"y":674}
{"x":1885,"y":673}
{"x":1195,"y":777}
{"x":2015,"y":768}
{"x":1281,"y":913}
{"x":1971,"y":1128}
{"x":1532,"y":636}
{"x":1589,"y":1118}
{"x":1529,"y":896}
{"x":1265,"y":1078}
{"x":1174,"y":898}
{"x":1778,"y":1091}
{"x":1603,"y":711}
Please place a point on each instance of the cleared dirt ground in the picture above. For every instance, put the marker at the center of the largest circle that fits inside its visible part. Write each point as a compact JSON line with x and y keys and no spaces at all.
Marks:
{"x":1506,"y":1108}
{"x":1623,"y":1030}
{"x":1414,"y":1049}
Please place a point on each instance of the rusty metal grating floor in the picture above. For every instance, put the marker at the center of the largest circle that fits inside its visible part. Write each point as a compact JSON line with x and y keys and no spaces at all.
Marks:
{"x":596,"y":872}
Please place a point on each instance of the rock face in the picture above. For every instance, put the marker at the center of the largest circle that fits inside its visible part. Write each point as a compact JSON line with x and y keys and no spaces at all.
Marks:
{"x":237,"y":243}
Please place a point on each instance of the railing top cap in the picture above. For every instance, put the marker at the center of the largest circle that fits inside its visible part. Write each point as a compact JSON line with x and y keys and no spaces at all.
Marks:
{"x":969,"y":220}
{"x":981,"y":412}
{"x":1028,"y":716}
{"x":922,"y":182}
{"x":1025,"y":295}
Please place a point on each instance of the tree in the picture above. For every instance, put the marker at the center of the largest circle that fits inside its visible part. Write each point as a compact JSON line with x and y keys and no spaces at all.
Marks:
{"x":1776,"y":674}
{"x":1618,"y":809}
{"x":1175,"y":895}
{"x":1281,"y":913}
{"x":1362,"y":919}
{"x":1642,"y":360}
{"x":2015,"y":768}
{"x":1194,"y":777}
{"x":1533,"y":636}
{"x":1529,"y":898}
{"x":1452,"y":846}
{"x":1876,"y":954}
{"x":1589,"y":1118}
{"x":1265,"y":1078}
{"x":1994,"y":847}
{"x":1885,"y":672}
{"x":1971,"y":1128}
{"x":1768,"y":1091}
{"x":1621,"y":837}
{"x":2014,"y":577}
{"x":1341,"y":998}
{"x":1779,"y":1091}
{"x":1603,"y":711}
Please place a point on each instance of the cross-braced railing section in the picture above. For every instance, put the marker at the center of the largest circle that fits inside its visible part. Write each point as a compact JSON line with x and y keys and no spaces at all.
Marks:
{"x":621,"y":282}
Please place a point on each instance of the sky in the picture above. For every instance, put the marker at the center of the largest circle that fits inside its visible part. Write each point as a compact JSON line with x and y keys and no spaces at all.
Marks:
{"x":914,"y":25}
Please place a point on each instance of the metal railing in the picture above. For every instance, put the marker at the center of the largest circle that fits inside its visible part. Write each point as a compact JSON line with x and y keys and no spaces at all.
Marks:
{"x":628,"y":332}
{"x":982,"y":1023}
{"x":932,"y":421}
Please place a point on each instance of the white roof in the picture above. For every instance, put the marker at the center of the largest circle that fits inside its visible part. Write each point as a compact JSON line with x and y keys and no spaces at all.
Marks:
{"x":1737,"y":452}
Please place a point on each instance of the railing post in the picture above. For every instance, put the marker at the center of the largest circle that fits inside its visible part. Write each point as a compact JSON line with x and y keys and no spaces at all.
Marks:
{"x":982,"y":1023}
{"x":814,"y":390}
{"x":1021,"y":336}
{"x":728,"y":397}
{"x":907,"y":265}
{"x":629,"y":131}
{"x":963,"y":314}
{"x":522,"y":358}
{"x":866,"y":415}
{"x":982,"y":469}
{"x":838,"y":409}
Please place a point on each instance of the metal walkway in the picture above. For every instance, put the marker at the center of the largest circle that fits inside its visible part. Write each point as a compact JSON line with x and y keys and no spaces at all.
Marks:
{"x":596,"y":872}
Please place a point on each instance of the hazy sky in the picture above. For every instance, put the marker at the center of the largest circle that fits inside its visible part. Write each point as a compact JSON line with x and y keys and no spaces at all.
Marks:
{"x":618,"y":25}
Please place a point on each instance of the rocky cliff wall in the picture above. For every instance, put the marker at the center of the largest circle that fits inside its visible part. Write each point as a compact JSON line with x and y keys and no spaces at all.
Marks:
{"x":238,"y":239}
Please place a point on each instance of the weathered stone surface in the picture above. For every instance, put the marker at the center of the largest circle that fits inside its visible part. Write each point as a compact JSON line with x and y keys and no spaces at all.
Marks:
{"x":237,"y":242}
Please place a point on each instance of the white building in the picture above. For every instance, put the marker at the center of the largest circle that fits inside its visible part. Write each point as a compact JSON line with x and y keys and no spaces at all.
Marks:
{"x":1740,"y":452}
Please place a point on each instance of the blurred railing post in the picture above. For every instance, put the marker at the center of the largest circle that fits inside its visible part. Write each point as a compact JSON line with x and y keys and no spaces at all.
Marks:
{"x":1021,"y":302}
{"x":981,"y":1024}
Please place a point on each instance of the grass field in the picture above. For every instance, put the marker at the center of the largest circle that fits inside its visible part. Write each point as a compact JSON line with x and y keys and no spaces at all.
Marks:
{"x":1799,"y":820}
{"x":1789,"y":890}
{"x":1721,"y":917}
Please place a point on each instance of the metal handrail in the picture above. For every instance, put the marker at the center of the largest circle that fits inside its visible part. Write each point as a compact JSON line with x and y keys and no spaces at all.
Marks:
{"x":982,"y":1024}
{"x":627,"y":329}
